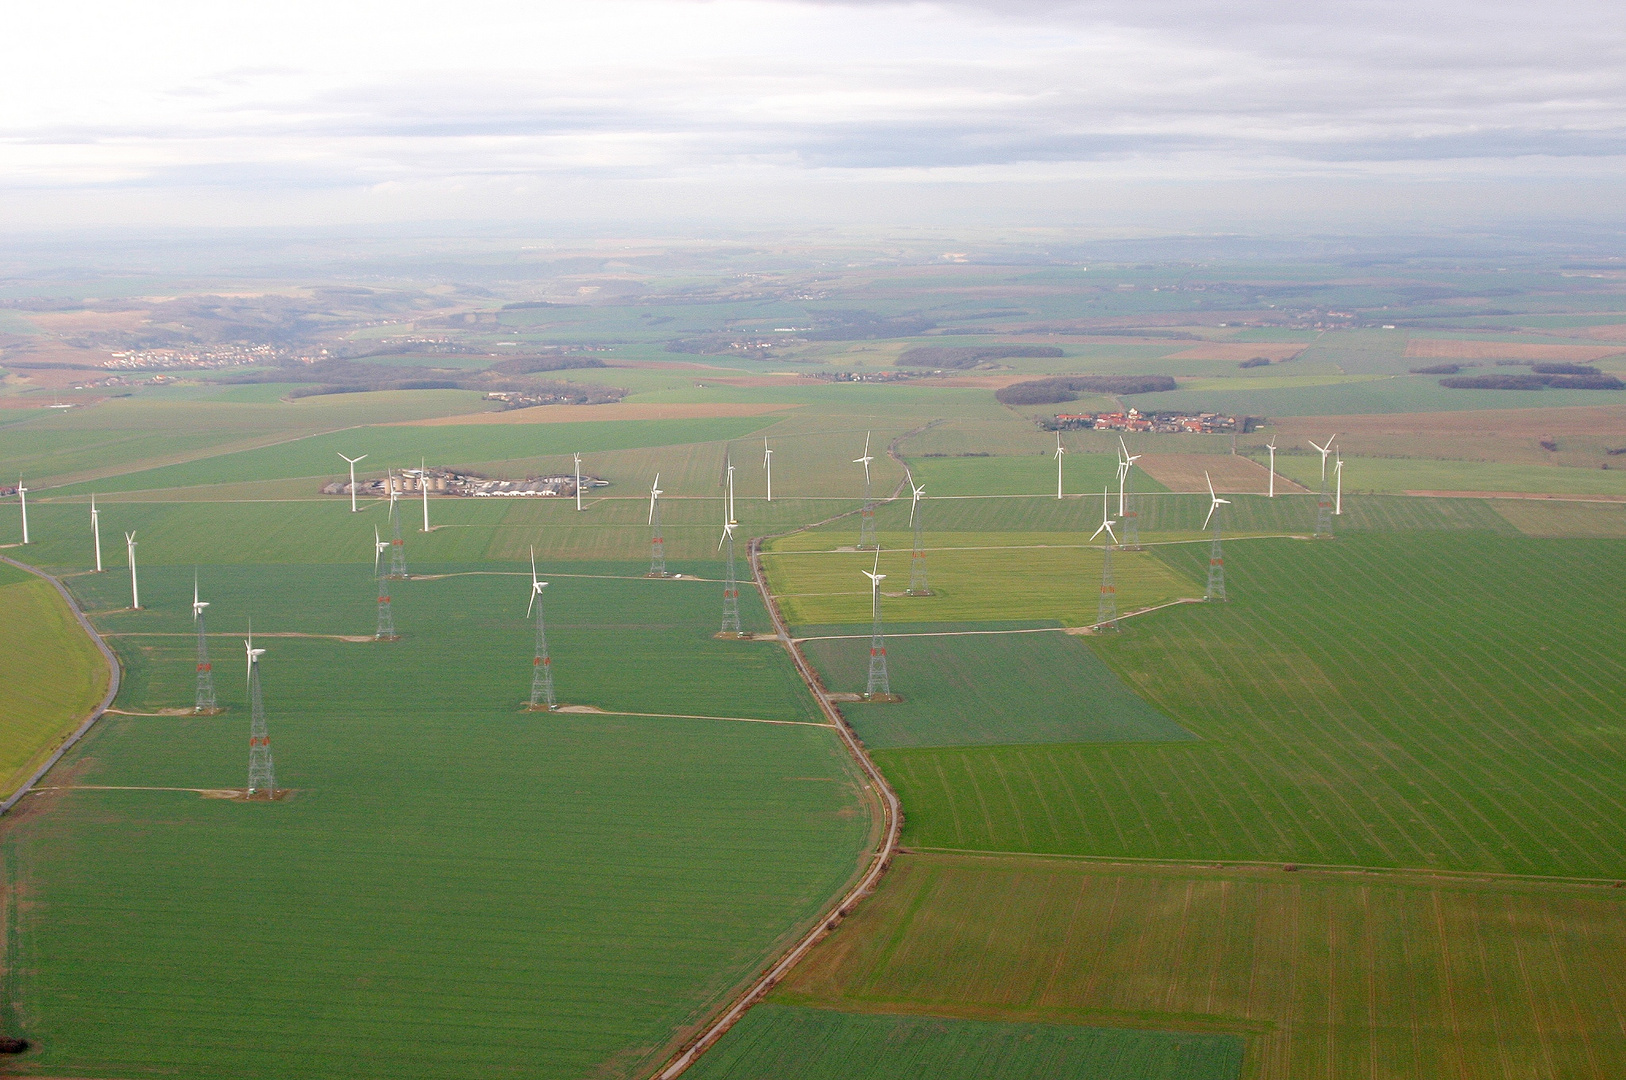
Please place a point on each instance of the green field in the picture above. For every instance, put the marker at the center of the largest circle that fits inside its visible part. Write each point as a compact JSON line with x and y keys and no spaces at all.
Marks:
{"x":779,"y":1042}
{"x":1035,"y":474}
{"x":1421,"y":474}
{"x":1324,"y":974}
{"x":636,"y":876}
{"x":54,"y":674}
{"x":973,"y":583}
{"x":1377,"y":700}
{"x":979,"y":689}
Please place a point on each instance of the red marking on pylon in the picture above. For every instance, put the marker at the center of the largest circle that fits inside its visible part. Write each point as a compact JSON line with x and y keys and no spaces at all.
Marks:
{"x":205,"y":667}
{"x":383,"y":599}
{"x":536,"y":662}
{"x":547,"y":661}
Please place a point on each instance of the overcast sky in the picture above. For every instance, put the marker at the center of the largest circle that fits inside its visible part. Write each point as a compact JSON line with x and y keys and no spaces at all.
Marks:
{"x":1154,"y":112}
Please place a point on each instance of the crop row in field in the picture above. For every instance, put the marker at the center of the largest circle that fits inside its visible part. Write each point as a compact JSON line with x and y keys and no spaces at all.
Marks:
{"x":376,"y":922}
{"x":1440,"y":700}
{"x":1326,"y":974}
{"x":54,"y":675}
{"x":780,"y":1042}
{"x":990,"y":688}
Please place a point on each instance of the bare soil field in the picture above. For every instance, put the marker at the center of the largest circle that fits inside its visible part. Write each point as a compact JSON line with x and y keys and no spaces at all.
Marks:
{"x":1581,"y":433}
{"x":1441,"y":349}
{"x":1242,"y":350}
{"x":619,"y":410}
{"x":1233,"y":473}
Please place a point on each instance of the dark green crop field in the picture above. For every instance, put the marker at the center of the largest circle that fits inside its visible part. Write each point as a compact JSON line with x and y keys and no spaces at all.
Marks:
{"x":781,"y":1042}
{"x":454,"y":887}
{"x":1448,"y":700}
{"x":983,"y":689}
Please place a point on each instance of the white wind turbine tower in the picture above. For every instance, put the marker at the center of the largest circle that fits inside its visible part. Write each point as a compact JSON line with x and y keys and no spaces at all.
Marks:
{"x":767,"y":463}
{"x":1271,"y":446}
{"x":880,"y":684}
{"x":1338,"y":472}
{"x":1126,"y":463}
{"x":1060,"y":453}
{"x":657,"y":544}
{"x":96,"y":532}
{"x":542,"y":699}
{"x":866,"y":517}
{"x":423,"y":482}
{"x":135,"y":589}
{"x":1216,"y":557}
{"x":1325,"y":450}
{"x":22,"y":495}
{"x":352,"y":462}
{"x":578,"y":458}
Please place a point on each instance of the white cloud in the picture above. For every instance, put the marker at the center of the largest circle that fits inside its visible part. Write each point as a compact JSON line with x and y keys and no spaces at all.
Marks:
{"x":283,"y":104}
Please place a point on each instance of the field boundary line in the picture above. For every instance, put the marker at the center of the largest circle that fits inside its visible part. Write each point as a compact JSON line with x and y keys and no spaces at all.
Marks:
{"x":1465,"y":876}
{"x":690,"y":716}
{"x":890,"y":806}
{"x":113,"y":670}
{"x":1073,"y":630}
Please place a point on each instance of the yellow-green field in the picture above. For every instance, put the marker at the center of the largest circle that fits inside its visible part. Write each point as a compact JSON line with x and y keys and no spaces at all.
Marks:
{"x":1394,"y":976}
{"x":54,"y":674}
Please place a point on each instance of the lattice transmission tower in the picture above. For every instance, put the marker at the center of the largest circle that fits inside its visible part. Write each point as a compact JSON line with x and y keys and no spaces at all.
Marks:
{"x":731,"y":586}
{"x":205,"y":704}
{"x":879,"y":687}
{"x":1130,"y":518}
{"x":542,"y":699}
{"x":1106,"y":612}
{"x":657,"y":543}
{"x":866,"y":516}
{"x":1216,"y":568}
{"x":262,"y":781}
{"x":1323,"y":512}
{"x":398,"y":566}
{"x":386,"y":616}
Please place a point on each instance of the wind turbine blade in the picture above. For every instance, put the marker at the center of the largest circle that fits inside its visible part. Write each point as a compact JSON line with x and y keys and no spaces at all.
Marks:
{"x":532,"y":603}
{"x":1211,"y":509}
{"x":1210,"y":480}
{"x":1097,"y":532}
{"x":877,"y":558}
{"x":533,"y":566}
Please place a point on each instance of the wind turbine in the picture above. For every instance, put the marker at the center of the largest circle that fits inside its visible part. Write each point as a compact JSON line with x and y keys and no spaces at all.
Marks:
{"x":866,"y":517}
{"x":767,"y":463}
{"x":22,"y":495}
{"x":1124,"y":465}
{"x":253,"y":653}
{"x":1271,"y":446}
{"x":1338,"y":500}
{"x":352,"y":462}
{"x":197,"y":605}
{"x":204,"y":701}
{"x":1106,"y":522}
{"x":423,"y":482}
{"x":917,"y":520}
{"x":875,"y":579}
{"x":542,"y":698}
{"x":1215,"y":502}
{"x":1325,"y":450}
{"x":1060,"y":452}
{"x":578,"y":458}
{"x":96,"y":531}
{"x":731,"y":585}
{"x":135,"y":590}
{"x":879,"y":686}
{"x":657,"y":545}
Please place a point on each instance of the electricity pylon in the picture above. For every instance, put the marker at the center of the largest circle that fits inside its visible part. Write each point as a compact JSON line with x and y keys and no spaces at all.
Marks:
{"x":731,"y":587}
{"x":262,"y":780}
{"x":866,"y":516}
{"x":917,"y":562}
{"x":879,"y":685}
{"x":542,"y":699}
{"x":398,"y":567}
{"x":205,"y":705}
{"x":1106,"y":612}
{"x":657,"y":544}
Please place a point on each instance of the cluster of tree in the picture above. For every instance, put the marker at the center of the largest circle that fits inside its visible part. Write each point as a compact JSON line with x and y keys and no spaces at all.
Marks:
{"x":1534,"y":382}
{"x":1068,"y":388}
{"x":960,"y":357}
{"x":343,"y":376}
{"x":1437,"y":369}
{"x":1564,"y":369}
{"x":1255,"y":361}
